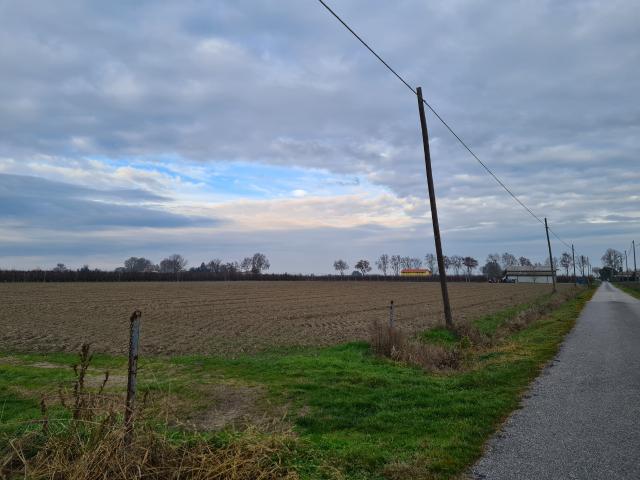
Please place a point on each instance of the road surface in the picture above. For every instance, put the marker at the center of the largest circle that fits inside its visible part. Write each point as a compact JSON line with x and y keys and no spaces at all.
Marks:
{"x":581,"y":418}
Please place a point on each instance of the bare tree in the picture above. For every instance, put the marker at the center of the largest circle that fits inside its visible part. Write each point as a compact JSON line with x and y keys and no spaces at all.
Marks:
{"x":173,"y":264}
{"x":456,"y":263}
{"x":525,"y":262}
{"x":508,"y":260}
{"x":470,"y":264}
{"x":581,"y":263}
{"x":405,"y":262}
{"x":215,"y":265}
{"x":430,"y":261}
{"x":415,"y":263}
{"x":613,"y":259}
{"x":395,"y":263}
{"x":363,"y":266}
{"x":447,"y":264}
{"x":138,"y":264}
{"x":341,"y":266}
{"x":566,"y":262}
{"x":245,"y":264}
{"x":383,"y":263}
{"x":493,"y":258}
{"x":259,"y":262}
{"x":229,"y":268}
{"x":60,"y":267}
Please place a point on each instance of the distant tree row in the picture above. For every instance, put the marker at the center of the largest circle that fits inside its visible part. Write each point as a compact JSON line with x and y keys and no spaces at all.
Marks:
{"x":494,"y":266}
{"x":175,"y":264}
{"x":256,"y":264}
{"x":394,"y":264}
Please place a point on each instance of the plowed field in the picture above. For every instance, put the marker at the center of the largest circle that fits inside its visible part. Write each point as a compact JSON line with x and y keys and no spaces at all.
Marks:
{"x":229,"y":317}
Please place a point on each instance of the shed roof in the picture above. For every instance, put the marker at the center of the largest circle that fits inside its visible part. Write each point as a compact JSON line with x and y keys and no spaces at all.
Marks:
{"x":517,"y":270}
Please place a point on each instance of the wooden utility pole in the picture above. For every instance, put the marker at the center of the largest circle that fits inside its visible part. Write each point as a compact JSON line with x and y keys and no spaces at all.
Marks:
{"x":573,"y":260}
{"x":553,"y":271}
{"x":635,"y":271}
{"x":626,"y":263}
{"x":434,"y":211}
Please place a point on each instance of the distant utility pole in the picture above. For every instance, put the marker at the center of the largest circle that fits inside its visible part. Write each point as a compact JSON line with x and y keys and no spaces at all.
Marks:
{"x":434,"y":210}
{"x":553,"y":272}
{"x":635,"y":271}
{"x":626,"y":264}
{"x":573,"y":260}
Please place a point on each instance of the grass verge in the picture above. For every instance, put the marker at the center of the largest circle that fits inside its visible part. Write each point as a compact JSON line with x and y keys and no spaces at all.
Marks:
{"x":356,"y":416}
{"x":632,"y":289}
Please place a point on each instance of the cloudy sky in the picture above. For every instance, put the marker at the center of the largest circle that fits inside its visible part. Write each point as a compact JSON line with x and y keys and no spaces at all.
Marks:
{"x":222,"y":128}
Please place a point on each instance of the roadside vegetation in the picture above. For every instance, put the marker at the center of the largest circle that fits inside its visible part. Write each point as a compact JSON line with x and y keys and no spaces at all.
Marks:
{"x":632,"y":288}
{"x":353,"y":411}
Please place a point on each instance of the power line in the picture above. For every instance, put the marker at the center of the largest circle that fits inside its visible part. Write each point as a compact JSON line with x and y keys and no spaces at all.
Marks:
{"x":462,"y":142}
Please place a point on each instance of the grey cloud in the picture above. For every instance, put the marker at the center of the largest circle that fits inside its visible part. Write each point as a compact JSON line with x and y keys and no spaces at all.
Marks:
{"x":31,"y":202}
{"x":545,"y":92}
{"x":509,"y":77}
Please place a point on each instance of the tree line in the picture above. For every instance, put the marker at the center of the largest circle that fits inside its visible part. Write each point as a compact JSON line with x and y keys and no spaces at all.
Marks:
{"x":256,"y":264}
{"x":173,"y":267}
{"x":392,"y":265}
{"x":456,"y":265}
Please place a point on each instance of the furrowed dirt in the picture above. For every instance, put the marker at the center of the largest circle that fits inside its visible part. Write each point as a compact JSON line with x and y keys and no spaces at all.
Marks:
{"x":223,"y":318}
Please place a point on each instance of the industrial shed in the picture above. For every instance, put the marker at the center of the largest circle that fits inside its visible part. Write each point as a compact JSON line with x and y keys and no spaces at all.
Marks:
{"x":528,"y":274}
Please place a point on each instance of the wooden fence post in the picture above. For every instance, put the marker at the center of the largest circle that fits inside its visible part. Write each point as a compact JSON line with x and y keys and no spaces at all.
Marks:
{"x":134,"y":340}
{"x":391,"y":314}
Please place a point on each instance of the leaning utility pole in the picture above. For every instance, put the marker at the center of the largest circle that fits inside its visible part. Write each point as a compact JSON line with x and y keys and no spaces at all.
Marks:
{"x":573,"y":260}
{"x":553,"y":271}
{"x":434,"y":210}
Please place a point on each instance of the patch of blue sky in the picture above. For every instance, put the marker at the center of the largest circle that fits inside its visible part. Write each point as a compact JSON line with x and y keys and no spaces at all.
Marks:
{"x":237,"y":179}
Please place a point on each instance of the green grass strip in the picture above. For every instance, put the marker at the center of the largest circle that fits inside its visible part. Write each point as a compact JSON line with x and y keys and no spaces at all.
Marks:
{"x":632,"y":289}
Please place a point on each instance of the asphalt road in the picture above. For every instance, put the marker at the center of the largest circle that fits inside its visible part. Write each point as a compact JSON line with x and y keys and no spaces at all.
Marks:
{"x":581,"y":418}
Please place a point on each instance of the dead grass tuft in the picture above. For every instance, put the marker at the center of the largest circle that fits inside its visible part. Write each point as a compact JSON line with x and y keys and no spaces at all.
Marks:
{"x":89,"y":443}
{"x":390,"y":342}
{"x":98,"y":451}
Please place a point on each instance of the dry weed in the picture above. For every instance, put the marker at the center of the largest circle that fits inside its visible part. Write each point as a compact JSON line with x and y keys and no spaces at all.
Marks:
{"x":390,"y":342}
{"x":91,"y":445}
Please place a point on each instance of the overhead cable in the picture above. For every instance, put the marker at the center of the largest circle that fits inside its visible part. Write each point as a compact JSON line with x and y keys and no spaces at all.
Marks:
{"x":439,"y":117}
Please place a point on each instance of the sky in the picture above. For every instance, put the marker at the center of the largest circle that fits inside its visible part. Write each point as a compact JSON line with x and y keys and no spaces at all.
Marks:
{"x":220,"y":129}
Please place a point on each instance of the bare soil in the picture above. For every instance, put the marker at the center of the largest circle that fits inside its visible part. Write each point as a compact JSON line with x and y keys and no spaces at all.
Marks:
{"x":227,"y":318}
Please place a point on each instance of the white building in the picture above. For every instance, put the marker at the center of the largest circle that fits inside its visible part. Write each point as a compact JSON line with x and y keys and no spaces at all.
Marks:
{"x":530,"y":274}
